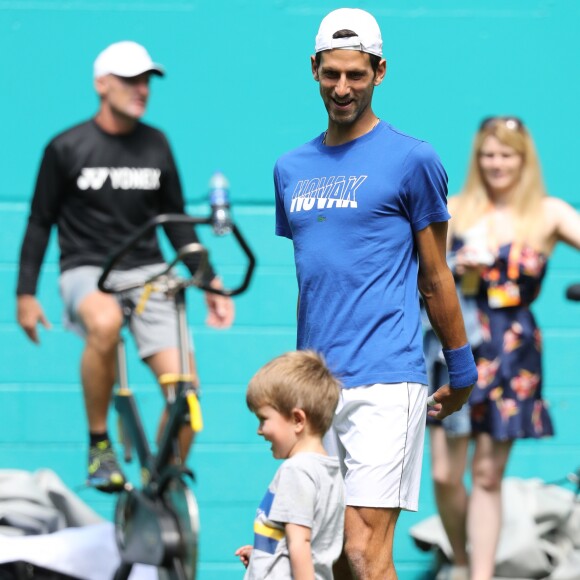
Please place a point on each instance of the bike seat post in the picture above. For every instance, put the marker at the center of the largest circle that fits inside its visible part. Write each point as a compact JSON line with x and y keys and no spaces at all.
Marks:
{"x":183,"y":331}
{"x":123,"y":385}
{"x":121,"y":362}
{"x":183,"y":346}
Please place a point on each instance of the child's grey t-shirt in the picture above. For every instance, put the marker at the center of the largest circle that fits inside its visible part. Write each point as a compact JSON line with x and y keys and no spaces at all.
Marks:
{"x":307,"y":490}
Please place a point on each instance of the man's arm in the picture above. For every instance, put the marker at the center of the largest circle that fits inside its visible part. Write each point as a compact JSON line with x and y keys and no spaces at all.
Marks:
{"x":299,"y":548}
{"x":437,"y":288}
{"x":171,"y":201}
{"x":221,"y":311}
{"x":29,"y":312}
{"x":43,"y":214}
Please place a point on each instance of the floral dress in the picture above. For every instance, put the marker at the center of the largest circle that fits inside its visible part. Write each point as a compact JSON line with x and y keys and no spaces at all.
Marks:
{"x":507,"y":400}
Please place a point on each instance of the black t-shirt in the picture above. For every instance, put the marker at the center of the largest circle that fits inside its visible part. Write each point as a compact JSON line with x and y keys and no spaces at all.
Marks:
{"x":99,"y":189}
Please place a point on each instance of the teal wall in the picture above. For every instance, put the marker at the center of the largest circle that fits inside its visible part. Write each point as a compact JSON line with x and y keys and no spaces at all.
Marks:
{"x":238,"y":93}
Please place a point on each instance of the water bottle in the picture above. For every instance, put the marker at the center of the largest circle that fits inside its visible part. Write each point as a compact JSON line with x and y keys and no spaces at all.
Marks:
{"x":220,"y":204}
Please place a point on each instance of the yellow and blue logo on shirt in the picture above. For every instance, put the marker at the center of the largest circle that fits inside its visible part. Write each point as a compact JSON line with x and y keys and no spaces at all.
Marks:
{"x":267,"y":534}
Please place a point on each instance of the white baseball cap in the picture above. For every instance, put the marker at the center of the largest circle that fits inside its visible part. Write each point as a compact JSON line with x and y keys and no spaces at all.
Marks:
{"x":125,"y":59}
{"x":368,"y":34}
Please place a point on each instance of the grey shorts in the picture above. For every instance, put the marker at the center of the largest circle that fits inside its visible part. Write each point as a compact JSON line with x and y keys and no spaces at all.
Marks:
{"x":457,"y":424}
{"x":154,"y":330}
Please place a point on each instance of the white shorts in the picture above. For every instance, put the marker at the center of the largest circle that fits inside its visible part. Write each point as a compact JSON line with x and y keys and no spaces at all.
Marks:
{"x":378,"y":435}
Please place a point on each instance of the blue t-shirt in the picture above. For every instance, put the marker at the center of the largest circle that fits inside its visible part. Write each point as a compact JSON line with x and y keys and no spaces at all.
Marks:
{"x":351,"y":211}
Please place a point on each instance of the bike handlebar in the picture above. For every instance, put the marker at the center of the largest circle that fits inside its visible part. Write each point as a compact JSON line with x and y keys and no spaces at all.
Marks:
{"x":573,"y":292}
{"x":189,"y":249}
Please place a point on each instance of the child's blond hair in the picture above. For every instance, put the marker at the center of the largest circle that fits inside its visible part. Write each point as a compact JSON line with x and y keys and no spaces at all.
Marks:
{"x":297,"y":380}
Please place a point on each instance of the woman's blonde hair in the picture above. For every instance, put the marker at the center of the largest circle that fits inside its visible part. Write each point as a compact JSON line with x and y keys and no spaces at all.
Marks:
{"x":296,"y":380}
{"x":473,"y":199}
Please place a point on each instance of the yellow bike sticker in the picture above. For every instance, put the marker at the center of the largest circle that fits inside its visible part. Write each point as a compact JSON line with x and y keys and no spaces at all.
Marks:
{"x":194,"y":413}
{"x":147,"y":289}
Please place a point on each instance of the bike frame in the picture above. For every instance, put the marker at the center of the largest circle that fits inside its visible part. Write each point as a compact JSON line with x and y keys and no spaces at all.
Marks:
{"x":163,"y":474}
{"x":178,"y":407}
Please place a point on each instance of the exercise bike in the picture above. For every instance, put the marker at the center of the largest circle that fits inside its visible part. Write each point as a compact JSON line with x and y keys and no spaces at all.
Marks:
{"x":158,"y":523}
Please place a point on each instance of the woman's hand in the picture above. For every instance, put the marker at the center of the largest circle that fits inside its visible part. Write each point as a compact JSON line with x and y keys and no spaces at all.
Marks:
{"x":474,"y":259}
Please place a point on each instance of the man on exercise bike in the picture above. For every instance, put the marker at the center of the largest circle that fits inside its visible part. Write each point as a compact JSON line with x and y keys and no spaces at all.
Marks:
{"x":98,"y":182}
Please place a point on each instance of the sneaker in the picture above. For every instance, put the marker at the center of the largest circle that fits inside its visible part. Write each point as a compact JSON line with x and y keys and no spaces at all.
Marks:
{"x":104,"y":471}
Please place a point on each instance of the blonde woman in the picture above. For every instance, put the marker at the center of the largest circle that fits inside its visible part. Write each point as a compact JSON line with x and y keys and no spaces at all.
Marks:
{"x":504,"y":228}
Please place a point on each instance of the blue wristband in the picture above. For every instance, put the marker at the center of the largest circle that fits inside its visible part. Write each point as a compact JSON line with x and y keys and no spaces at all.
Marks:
{"x":461,"y":367}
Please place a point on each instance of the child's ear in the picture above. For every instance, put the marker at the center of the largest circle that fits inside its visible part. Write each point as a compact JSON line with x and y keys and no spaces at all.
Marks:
{"x":299,"y":419}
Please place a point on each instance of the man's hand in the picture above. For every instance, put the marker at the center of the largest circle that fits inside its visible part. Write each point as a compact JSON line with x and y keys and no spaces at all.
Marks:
{"x":448,"y":400}
{"x":29,"y":313}
{"x":220,"y":308}
{"x":244,"y":554}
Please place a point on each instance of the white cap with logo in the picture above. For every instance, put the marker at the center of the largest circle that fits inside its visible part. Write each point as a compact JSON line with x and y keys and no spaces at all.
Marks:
{"x":368,"y":34}
{"x":125,"y":59}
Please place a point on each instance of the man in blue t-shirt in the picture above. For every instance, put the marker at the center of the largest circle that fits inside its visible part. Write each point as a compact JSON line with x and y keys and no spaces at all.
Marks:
{"x":365,"y":206}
